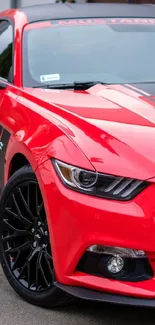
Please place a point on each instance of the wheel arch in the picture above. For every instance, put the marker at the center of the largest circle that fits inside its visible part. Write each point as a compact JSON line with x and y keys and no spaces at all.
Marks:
{"x":17,"y":156}
{"x":18,"y":161}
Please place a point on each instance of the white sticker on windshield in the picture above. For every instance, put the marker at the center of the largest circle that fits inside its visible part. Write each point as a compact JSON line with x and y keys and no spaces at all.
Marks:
{"x":50,"y":77}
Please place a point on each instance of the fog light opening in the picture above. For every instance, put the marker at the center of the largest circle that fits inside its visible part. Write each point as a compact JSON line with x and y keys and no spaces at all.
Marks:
{"x":115,"y":264}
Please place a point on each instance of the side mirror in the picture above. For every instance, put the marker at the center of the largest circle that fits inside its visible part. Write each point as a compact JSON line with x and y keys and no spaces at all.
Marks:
{"x":3,"y":85}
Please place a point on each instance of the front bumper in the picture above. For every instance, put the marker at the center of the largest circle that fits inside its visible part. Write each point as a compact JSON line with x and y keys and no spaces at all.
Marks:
{"x":92,"y":295}
{"x":81,"y":221}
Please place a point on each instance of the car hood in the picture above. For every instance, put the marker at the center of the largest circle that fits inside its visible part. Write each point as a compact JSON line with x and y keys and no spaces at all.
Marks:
{"x":113,"y":125}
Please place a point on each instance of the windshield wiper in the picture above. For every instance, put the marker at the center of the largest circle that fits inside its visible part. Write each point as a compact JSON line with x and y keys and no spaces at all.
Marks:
{"x":77,"y":85}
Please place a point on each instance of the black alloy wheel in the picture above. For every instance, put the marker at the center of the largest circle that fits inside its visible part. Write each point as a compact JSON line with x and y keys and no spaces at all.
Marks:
{"x":24,"y":241}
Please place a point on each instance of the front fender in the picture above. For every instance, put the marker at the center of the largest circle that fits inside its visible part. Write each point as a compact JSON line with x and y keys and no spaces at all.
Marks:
{"x":48,"y":142}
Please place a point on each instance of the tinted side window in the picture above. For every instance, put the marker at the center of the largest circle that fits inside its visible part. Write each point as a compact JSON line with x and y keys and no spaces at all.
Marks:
{"x":6,"y":45}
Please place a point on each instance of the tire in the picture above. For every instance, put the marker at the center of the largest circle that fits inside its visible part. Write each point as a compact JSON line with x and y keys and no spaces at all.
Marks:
{"x":24,"y":248}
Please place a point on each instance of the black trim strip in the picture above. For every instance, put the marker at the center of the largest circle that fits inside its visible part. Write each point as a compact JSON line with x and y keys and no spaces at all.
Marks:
{"x":4,"y":139}
{"x":98,"y":296}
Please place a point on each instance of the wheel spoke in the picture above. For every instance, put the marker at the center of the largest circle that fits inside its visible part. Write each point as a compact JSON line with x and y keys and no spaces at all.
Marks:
{"x":19,"y":249}
{"x":41,"y":206}
{"x":49,"y":257}
{"x":22,"y":270}
{"x":28,"y":275}
{"x":36,"y":201}
{"x":41,"y":269}
{"x":19,"y":215}
{"x":17,"y":232}
{"x":9,"y":237}
{"x":10,"y":213}
{"x":32,"y":254}
{"x":37,"y":273}
{"x":28,"y":195}
{"x":26,"y":206}
{"x":40,"y":209}
{"x":14,"y":261}
{"x":27,"y":265}
{"x":48,"y":264}
{"x":16,"y":205}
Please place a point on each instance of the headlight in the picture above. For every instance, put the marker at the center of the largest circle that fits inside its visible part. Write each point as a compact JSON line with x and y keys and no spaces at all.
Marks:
{"x":96,"y":184}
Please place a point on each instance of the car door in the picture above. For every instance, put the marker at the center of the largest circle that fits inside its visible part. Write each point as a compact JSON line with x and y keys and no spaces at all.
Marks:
{"x":6,"y":78}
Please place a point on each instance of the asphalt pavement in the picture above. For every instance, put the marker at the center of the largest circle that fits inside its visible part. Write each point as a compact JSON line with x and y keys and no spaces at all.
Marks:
{"x":14,"y":311}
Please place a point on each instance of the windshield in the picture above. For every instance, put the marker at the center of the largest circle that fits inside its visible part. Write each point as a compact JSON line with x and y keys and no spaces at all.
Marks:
{"x":106,"y":50}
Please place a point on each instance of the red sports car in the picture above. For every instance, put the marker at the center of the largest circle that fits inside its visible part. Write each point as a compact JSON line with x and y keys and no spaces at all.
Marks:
{"x":77,"y":152}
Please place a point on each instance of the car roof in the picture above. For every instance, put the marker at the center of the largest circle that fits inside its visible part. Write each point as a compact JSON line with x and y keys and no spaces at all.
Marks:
{"x":88,"y":10}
